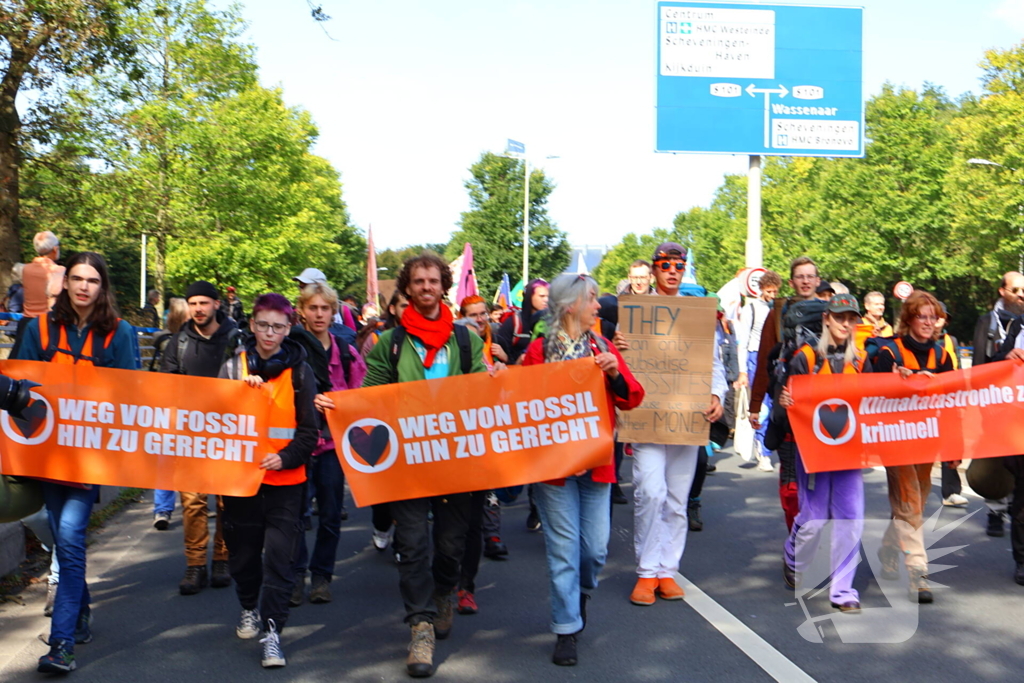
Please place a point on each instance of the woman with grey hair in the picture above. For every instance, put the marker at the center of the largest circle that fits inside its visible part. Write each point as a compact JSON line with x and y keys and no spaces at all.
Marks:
{"x":574,"y":510}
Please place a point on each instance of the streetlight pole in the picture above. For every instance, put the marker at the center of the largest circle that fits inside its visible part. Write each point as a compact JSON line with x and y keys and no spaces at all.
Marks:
{"x":1020,"y":208}
{"x":526,"y":219}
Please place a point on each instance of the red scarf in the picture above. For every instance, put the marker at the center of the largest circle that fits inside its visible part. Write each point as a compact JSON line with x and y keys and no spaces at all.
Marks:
{"x":433,"y":333}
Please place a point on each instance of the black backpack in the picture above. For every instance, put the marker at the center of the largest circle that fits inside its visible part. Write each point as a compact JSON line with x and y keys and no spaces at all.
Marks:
{"x":801,"y":324}
{"x":234,"y":341}
{"x":461,"y":340}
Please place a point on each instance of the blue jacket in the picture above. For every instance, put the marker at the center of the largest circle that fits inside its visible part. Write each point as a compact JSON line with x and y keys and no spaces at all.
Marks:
{"x":120,"y":353}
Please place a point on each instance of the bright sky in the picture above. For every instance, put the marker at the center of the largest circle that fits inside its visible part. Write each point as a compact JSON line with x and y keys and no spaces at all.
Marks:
{"x":409,"y":93}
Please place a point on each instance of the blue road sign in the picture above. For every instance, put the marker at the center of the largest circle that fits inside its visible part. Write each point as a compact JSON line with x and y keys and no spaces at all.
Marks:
{"x":760,"y":79}
{"x":515,"y":147}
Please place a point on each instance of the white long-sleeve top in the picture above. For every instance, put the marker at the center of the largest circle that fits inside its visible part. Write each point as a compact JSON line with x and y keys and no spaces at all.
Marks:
{"x":748,"y":329}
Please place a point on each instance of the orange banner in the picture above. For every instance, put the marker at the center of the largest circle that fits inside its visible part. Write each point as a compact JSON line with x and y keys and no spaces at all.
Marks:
{"x":472,"y":432}
{"x":844,"y":422}
{"x":139,"y":429}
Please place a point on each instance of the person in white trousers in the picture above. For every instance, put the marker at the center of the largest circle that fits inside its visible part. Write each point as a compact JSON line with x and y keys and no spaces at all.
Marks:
{"x":663,"y":474}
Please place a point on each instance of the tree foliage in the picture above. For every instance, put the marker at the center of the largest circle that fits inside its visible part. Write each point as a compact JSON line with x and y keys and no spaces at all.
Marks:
{"x":494,"y":223}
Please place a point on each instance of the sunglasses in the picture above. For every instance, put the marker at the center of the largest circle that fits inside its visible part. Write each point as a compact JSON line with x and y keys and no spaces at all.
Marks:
{"x":669,"y":265}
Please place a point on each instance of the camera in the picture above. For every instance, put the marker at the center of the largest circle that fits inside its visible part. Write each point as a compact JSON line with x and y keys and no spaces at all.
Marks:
{"x":14,"y":395}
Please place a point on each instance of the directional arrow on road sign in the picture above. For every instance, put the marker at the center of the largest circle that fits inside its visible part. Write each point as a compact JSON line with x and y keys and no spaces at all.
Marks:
{"x":781,"y":90}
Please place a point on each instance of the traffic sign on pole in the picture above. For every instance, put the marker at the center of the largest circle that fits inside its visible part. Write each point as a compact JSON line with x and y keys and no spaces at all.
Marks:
{"x":765,"y":80}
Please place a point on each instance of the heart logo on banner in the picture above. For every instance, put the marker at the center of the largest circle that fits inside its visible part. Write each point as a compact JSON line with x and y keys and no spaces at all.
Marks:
{"x":369,"y":444}
{"x":834,"y":419}
{"x":32,"y":419}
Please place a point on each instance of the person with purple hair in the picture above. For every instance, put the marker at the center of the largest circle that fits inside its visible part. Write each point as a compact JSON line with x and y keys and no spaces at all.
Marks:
{"x":515,"y":333}
{"x":262,"y":530}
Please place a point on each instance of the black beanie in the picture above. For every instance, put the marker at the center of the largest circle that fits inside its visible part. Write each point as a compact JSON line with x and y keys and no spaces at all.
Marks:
{"x":202,"y":288}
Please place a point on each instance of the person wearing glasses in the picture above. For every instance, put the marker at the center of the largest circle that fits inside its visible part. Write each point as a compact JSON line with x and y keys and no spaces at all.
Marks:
{"x":663,"y":474}
{"x":990,"y":332}
{"x":262,"y":530}
{"x":639,"y":279}
{"x":912,"y":351}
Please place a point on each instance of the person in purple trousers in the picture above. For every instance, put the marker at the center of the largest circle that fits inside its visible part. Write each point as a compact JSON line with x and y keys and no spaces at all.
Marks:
{"x":825,"y":496}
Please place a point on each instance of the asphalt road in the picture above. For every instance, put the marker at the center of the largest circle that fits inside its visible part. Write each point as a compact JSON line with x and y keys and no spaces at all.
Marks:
{"x":737,"y":624}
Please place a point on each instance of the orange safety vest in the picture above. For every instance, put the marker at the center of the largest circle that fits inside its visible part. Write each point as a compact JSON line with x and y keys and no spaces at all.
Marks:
{"x":826,"y":367}
{"x":910,"y":360}
{"x":947,"y":345}
{"x":62,"y":353}
{"x":281,"y":425}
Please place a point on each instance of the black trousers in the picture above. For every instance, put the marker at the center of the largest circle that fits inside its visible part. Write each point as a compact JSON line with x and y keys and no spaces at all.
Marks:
{"x":950,"y":480}
{"x":262,"y":533}
{"x":381,"y":517}
{"x":421,"y":577}
{"x":700,"y":473}
{"x":1015,"y":463}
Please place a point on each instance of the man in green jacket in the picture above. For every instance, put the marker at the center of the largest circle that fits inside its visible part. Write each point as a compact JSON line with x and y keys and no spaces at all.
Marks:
{"x":426,"y":346}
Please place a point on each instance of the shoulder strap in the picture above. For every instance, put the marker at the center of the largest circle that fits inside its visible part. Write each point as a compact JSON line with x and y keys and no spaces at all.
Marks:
{"x":49,"y":332}
{"x":465,"y":349}
{"x":182,"y":346}
{"x":346,"y":358}
{"x":814,"y":364}
{"x":397,"y":342}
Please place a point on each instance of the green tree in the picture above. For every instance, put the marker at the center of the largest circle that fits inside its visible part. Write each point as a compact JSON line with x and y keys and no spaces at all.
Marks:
{"x":494,"y":223}
{"x":44,"y":44}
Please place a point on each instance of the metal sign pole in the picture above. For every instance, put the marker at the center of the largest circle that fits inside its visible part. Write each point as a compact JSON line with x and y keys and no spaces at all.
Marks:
{"x":526,"y":220}
{"x":754,"y":255}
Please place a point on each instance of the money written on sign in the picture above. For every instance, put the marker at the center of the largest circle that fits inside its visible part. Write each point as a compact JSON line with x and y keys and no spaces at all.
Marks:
{"x":671,"y":350}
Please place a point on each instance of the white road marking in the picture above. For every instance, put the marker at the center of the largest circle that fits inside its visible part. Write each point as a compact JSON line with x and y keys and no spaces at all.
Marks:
{"x":774,"y":663}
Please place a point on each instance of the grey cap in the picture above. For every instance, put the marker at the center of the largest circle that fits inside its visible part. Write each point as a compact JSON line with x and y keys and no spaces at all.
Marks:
{"x":309,"y":276}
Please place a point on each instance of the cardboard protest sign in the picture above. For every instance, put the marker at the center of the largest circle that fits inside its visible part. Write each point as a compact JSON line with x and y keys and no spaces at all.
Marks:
{"x":844,"y":422}
{"x":671,"y":350}
{"x":141,"y":429}
{"x":472,"y":432}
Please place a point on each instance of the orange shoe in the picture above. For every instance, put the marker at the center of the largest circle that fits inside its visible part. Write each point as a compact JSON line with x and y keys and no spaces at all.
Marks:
{"x":643,"y":592}
{"x":668,"y":589}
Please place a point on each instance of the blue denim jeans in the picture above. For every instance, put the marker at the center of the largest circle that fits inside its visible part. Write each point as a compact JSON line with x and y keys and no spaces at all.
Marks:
{"x":163,"y":501}
{"x":576,"y":526}
{"x":69,"y":509}
{"x":327,"y":483}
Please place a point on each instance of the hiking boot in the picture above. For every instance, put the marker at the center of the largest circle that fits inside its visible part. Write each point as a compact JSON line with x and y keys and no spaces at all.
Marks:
{"x":248,"y":624}
{"x":533,"y":519}
{"x":60,"y":660}
{"x":320,"y":590}
{"x":161,"y":521}
{"x":273,"y":655}
{"x":995,"y":525}
{"x":618,"y":497}
{"x":445,"y":616}
{"x":51,"y":595}
{"x":420,"y":662}
{"x":668,"y":589}
{"x":298,"y":592}
{"x":83,"y":632}
{"x":920,"y":592}
{"x":467,"y":603}
{"x":195,"y":580}
{"x":788,"y":576}
{"x":693,"y":515}
{"x":221,"y":576}
{"x":890,"y":559}
{"x":494,"y":549}
{"x":1018,"y":574}
{"x":565,"y":650}
{"x":643,"y":592}
{"x":382,"y":539}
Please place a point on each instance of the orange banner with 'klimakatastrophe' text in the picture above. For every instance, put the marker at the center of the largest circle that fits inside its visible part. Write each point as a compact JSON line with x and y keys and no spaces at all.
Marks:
{"x":844,"y":422}
{"x":139,"y":429}
{"x":472,"y":432}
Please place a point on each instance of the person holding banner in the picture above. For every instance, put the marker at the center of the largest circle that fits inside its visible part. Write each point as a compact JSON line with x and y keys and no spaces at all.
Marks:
{"x":913,"y":351}
{"x":83,"y":328}
{"x":343,"y":368}
{"x":262,"y":530}
{"x":663,"y":474}
{"x":825,"y":496}
{"x":427,"y":345}
{"x":574,"y":510}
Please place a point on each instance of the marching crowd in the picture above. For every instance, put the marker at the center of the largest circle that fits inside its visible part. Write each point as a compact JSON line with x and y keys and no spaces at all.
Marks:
{"x":301,"y":349}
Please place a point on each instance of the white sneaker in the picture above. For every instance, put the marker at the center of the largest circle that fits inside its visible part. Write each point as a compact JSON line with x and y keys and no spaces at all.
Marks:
{"x":764,"y":464}
{"x":955,"y":501}
{"x":273,"y":655}
{"x":161,"y":521}
{"x":248,"y":624}
{"x":381,"y":540}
